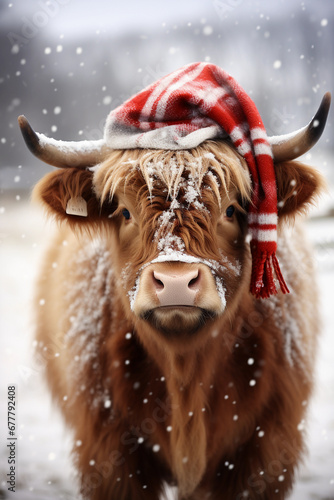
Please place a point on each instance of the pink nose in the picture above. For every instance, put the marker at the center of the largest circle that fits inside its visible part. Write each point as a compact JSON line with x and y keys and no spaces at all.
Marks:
{"x":177,"y":288}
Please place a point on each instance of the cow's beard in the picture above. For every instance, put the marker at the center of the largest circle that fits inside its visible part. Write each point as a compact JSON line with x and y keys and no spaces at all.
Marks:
{"x":178,"y":321}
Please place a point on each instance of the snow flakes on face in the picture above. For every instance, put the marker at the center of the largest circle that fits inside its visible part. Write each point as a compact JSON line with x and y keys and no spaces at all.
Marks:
{"x":233,"y":268}
{"x":221,"y":291}
{"x":167,"y":216}
{"x":184,"y":187}
{"x":170,"y":243}
{"x":132,"y":294}
{"x":150,"y":177}
{"x":167,"y":242}
{"x":175,"y":205}
{"x":178,"y":184}
{"x":191,"y":193}
{"x":179,"y":173}
{"x":193,"y":186}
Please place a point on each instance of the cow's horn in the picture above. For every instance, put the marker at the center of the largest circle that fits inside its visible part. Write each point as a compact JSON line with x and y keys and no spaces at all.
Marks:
{"x":291,"y":146}
{"x":81,"y":154}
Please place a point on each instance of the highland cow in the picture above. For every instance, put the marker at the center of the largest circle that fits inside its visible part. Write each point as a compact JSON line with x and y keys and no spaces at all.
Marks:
{"x":174,"y":349}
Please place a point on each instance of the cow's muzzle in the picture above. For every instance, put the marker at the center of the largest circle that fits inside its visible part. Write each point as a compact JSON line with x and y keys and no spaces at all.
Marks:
{"x":175,"y":296}
{"x":177,"y":287}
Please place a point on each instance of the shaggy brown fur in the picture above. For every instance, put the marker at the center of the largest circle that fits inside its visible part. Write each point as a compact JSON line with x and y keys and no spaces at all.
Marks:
{"x":216,"y":412}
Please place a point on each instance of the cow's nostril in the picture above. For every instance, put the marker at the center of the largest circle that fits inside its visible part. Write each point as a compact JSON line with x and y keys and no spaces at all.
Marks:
{"x":194,"y":282}
{"x":158,"y":283}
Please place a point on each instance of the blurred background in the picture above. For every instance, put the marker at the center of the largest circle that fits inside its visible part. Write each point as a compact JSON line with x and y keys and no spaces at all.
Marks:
{"x":65,"y":64}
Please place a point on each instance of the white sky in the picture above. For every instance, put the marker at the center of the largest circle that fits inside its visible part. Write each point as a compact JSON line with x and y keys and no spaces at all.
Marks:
{"x":71,"y":17}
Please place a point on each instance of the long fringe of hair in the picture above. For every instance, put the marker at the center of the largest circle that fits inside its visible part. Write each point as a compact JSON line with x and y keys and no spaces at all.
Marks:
{"x":229,"y":170}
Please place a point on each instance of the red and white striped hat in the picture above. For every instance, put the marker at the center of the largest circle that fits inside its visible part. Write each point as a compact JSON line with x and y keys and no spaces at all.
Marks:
{"x":198,"y":102}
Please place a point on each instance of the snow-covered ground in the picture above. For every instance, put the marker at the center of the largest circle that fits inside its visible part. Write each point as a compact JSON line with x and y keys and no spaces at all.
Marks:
{"x":44,"y":467}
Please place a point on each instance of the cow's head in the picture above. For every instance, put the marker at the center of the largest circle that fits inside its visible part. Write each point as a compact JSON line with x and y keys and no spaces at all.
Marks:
{"x":176,"y":220}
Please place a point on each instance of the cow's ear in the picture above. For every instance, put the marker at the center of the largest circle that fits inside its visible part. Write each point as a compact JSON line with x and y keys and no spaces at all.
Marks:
{"x":68,"y":194}
{"x":297,"y":187}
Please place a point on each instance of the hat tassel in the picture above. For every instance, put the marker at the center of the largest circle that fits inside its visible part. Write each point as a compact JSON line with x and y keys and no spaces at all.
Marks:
{"x":262,"y":280}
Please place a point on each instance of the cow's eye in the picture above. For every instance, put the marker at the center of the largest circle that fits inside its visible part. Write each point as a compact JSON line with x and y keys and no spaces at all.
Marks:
{"x":126,"y":214}
{"x":230,"y":211}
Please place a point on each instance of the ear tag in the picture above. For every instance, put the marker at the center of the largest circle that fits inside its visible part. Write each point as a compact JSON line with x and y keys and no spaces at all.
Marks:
{"x":77,"y":206}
